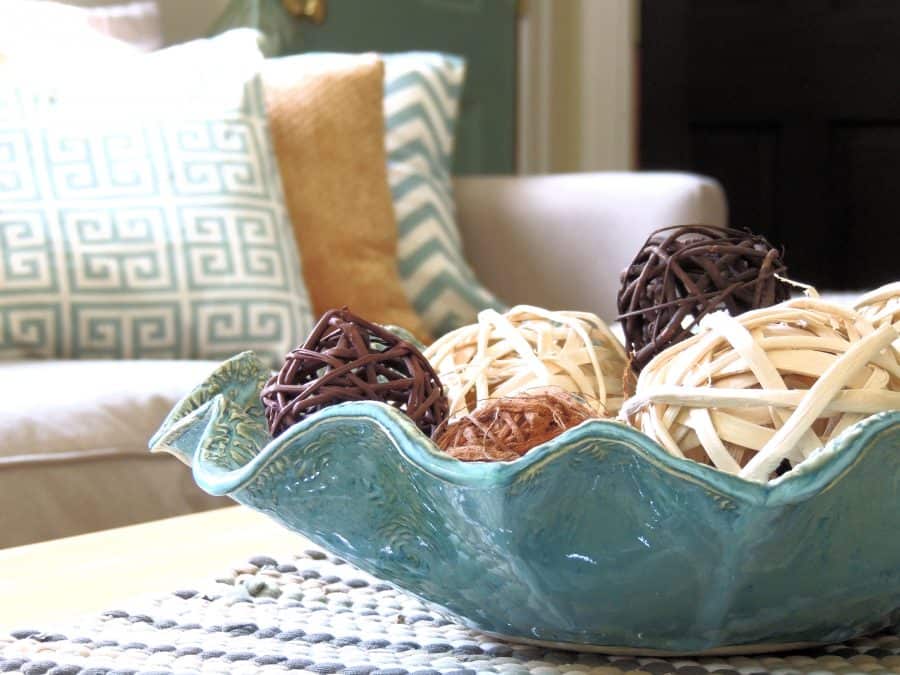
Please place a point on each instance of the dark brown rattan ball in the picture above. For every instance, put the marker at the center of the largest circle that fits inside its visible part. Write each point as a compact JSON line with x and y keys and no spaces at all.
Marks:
{"x":683,"y":273}
{"x":346,"y":358}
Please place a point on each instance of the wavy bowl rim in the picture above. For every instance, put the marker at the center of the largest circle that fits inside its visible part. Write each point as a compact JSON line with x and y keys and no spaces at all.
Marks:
{"x":826,"y":467}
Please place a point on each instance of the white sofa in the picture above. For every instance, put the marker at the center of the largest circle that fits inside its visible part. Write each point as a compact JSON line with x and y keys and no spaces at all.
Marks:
{"x":73,"y":434}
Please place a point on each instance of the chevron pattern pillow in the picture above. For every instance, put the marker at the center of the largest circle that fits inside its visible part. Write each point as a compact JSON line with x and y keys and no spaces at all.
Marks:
{"x":422,"y":95}
{"x":144,"y":224}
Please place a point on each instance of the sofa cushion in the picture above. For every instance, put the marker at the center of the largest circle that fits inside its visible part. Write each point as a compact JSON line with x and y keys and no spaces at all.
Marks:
{"x":137,"y":23}
{"x":47,"y":37}
{"x":73,"y":446}
{"x":328,"y":128}
{"x":142,"y":214}
{"x":422,"y":98}
{"x":54,"y":410}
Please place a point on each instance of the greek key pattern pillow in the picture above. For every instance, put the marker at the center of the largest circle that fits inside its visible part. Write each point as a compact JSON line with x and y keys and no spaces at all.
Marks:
{"x":154,"y":232}
{"x":422,"y":94}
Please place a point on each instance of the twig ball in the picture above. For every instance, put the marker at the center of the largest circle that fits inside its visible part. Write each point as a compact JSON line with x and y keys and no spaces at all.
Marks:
{"x":882,"y":306}
{"x":527,"y":348}
{"x":346,"y":358}
{"x":504,"y":429}
{"x":683,"y":273}
{"x":774,"y":384}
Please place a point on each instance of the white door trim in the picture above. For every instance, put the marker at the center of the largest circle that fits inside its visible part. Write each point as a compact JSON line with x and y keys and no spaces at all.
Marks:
{"x":576,"y":102}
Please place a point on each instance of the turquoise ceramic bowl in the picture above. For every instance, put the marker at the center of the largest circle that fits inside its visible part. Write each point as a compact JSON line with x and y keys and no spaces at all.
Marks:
{"x":598,"y":539}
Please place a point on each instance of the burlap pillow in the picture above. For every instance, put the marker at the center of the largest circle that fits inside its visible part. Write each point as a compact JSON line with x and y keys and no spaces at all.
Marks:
{"x":328,"y":128}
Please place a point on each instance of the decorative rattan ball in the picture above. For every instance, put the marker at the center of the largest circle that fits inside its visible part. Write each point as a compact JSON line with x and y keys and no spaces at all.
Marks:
{"x":683,"y":273}
{"x":770,"y":385}
{"x":504,"y":429}
{"x":882,"y":306}
{"x":346,"y":358}
{"x":529,"y":348}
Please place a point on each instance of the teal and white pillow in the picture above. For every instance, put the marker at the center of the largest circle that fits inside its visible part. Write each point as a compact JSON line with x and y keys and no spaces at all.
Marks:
{"x":421,"y":105}
{"x":145,"y":219}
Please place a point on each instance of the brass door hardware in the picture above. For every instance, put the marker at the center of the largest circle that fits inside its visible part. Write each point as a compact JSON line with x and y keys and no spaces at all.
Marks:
{"x":314,"y":11}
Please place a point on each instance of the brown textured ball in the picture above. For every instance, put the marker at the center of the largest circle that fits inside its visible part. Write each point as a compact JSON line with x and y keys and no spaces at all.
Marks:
{"x":683,"y":273}
{"x":347,"y":358}
{"x":504,"y":429}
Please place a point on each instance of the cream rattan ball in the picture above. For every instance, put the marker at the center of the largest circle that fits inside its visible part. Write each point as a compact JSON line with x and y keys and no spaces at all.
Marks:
{"x":750,"y":391}
{"x":882,"y":306}
{"x":529,"y":348}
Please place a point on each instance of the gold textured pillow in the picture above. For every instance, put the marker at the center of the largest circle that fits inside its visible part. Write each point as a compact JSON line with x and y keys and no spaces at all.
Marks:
{"x":327,"y":125}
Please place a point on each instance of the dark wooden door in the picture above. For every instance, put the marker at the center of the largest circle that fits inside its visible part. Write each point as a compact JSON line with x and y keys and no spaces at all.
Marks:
{"x":794,"y":105}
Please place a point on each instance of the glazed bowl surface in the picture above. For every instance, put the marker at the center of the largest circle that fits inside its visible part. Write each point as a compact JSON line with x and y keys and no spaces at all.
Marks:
{"x":598,"y":539}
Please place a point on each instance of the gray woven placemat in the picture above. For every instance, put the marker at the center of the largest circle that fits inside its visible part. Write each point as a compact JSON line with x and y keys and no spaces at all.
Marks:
{"x":314,"y":613}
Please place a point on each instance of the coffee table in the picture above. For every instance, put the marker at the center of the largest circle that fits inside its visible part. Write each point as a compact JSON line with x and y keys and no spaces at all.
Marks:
{"x":141,"y":611}
{"x":55,"y":580}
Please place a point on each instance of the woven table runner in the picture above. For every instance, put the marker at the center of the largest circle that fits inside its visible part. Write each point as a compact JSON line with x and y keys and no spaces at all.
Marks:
{"x":317,"y":614}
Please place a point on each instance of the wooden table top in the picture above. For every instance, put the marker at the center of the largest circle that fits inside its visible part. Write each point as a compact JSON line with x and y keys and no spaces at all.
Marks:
{"x":51,"y":581}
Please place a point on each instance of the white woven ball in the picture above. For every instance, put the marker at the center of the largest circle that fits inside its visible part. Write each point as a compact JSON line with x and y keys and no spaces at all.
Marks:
{"x":748,"y":392}
{"x":882,"y":306}
{"x":529,"y":348}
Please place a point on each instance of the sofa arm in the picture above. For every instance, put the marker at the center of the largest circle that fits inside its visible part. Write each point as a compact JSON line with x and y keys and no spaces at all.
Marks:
{"x":561,"y":241}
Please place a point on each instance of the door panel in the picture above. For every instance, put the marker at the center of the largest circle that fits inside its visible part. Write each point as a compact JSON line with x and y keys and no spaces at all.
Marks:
{"x":791,"y":104}
{"x":865,"y":174}
{"x":744,"y":158}
{"x":483,"y":31}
